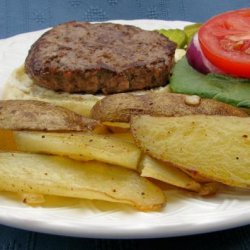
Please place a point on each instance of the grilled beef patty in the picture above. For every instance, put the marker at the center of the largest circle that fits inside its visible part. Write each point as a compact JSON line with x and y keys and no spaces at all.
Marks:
{"x":104,"y":57}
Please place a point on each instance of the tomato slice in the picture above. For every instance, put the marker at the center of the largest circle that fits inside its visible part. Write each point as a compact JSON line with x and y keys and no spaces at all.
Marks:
{"x":225,"y":41}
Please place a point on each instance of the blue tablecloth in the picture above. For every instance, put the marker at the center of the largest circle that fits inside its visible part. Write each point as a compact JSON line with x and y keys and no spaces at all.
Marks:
{"x":18,"y":16}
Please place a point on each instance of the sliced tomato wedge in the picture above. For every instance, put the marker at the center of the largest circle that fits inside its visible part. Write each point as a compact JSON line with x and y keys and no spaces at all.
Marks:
{"x":225,"y":41}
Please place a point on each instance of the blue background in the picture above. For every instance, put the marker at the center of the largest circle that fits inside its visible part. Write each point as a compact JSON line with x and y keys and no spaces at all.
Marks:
{"x":18,"y":16}
{"x":26,"y":15}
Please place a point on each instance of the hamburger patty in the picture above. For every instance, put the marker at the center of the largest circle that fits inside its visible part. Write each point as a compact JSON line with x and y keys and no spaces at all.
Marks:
{"x":109,"y":58}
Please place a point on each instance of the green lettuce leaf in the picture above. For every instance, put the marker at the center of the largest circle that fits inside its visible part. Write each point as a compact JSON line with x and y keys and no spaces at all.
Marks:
{"x":186,"y":80}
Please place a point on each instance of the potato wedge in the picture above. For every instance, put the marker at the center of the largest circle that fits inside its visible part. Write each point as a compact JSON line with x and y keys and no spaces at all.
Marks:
{"x":167,"y":173}
{"x":78,"y":146}
{"x":36,"y":115}
{"x":120,"y":107}
{"x":52,"y":175}
{"x":216,"y":147}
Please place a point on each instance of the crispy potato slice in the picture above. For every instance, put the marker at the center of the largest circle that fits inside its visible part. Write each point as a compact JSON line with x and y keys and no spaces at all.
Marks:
{"x":36,"y":115}
{"x":79,"y":146}
{"x":120,"y":107}
{"x":53,"y":175}
{"x":216,"y":147}
{"x":167,"y":173}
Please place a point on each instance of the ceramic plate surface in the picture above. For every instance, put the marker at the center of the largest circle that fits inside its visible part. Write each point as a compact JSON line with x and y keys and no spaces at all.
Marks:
{"x":184,"y":213}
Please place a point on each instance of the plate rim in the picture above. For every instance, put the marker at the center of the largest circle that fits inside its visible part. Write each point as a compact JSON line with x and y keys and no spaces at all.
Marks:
{"x":94,"y":232}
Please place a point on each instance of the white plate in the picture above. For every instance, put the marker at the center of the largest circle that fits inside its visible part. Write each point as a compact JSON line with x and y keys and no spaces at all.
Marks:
{"x":184,"y":214}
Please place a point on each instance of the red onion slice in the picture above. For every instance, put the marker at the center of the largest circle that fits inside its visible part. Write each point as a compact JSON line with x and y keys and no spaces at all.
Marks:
{"x":197,"y":59}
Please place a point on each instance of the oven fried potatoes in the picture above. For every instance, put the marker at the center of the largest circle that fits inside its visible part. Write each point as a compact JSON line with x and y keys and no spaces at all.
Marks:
{"x":37,"y":115}
{"x":120,"y":107}
{"x":49,"y":150}
{"x":53,"y":175}
{"x":216,"y":147}
{"x":78,"y":146}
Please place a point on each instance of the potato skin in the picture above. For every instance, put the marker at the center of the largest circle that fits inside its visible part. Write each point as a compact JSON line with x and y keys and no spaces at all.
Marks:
{"x":41,"y":116}
{"x":120,"y":107}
